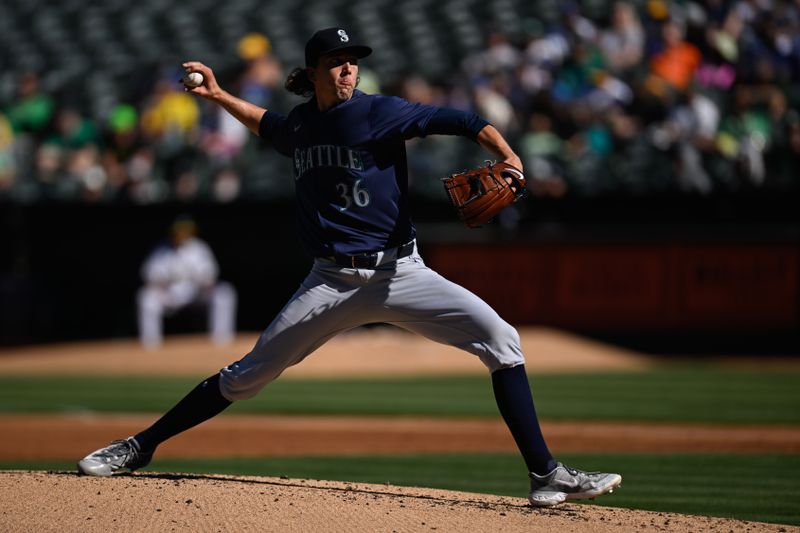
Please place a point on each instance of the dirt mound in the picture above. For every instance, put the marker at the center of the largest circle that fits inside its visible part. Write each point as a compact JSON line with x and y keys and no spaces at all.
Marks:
{"x":382,"y":351}
{"x":39,"y":501}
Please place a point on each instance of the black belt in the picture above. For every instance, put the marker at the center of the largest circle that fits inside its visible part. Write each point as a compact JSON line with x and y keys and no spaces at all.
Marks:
{"x":374,"y":259}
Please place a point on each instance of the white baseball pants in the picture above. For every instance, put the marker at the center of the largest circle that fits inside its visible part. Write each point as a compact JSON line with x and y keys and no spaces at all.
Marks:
{"x":406,"y":293}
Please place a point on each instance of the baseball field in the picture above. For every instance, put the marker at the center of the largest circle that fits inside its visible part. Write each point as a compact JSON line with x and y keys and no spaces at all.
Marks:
{"x":384,"y":431}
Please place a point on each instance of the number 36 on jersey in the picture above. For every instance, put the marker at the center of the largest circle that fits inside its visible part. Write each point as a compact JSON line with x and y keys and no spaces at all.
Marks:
{"x":352,"y":195}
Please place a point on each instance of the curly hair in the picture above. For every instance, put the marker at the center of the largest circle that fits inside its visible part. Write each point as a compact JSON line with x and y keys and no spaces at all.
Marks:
{"x":299,"y":83}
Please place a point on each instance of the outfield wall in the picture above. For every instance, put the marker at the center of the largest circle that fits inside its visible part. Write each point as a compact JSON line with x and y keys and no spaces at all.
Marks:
{"x":72,"y":271}
{"x":664,"y":286}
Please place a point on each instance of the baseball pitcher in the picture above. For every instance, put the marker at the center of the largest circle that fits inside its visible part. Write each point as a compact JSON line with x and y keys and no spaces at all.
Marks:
{"x":351,"y":182}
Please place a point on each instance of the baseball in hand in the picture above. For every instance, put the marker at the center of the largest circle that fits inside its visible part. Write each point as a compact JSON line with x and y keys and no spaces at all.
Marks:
{"x":193,"y":79}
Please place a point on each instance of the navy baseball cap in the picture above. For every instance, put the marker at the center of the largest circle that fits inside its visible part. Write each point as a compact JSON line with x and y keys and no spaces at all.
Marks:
{"x":332,"y":40}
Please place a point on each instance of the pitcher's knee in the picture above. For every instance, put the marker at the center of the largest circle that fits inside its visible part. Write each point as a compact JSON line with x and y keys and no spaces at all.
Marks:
{"x":503,"y":349}
{"x":235,"y":395}
{"x":245,"y":378}
{"x":235,"y":389}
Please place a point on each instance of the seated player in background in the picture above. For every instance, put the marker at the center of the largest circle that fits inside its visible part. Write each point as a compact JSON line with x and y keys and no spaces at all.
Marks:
{"x":182,"y":273}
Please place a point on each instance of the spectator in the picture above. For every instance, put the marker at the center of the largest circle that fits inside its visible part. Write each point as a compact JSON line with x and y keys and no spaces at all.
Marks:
{"x":170,"y":115}
{"x":747,"y":134}
{"x":33,"y":110}
{"x":180,"y":274}
{"x":541,"y":152}
{"x":224,"y":140}
{"x":226,"y":137}
{"x":623,"y":43}
{"x":678,"y":60}
{"x":693,"y":126}
{"x":122,"y":141}
{"x":77,"y":141}
{"x":170,"y":124}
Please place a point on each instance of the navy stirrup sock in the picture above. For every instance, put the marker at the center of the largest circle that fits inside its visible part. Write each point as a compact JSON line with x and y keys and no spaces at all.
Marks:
{"x":513,"y":395}
{"x":203,"y":402}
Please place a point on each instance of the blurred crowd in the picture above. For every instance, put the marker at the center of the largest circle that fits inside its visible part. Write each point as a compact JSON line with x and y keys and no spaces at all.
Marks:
{"x":656,"y":98}
{"x":167,"y":145}
{"x":652,"y":97}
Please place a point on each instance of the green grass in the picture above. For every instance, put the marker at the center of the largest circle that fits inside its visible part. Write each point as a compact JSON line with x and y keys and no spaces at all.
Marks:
{"x":748,"y":487}
{"x":694,"y":394}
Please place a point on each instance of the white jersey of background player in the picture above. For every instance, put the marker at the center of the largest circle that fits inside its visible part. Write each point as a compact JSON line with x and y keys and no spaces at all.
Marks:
{"x":180,"y":273}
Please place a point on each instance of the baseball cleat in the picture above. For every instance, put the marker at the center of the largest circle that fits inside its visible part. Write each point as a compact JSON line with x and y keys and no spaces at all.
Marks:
{"x":565,"y":483}
{"x":123,"y":453}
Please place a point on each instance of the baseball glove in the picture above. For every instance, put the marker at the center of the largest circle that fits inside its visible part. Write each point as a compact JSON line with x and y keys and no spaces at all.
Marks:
{"x":480,"y":194}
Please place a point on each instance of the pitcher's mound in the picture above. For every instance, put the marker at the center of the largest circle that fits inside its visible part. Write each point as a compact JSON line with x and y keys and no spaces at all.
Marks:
{"x":59,"y":501}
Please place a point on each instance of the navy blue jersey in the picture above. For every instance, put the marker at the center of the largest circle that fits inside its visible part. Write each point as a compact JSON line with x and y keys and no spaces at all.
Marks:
{"x":350,"y":170}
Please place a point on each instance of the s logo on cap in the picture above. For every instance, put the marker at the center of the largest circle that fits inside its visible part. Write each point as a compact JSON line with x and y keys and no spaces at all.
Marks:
{"x":332,"y":40}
